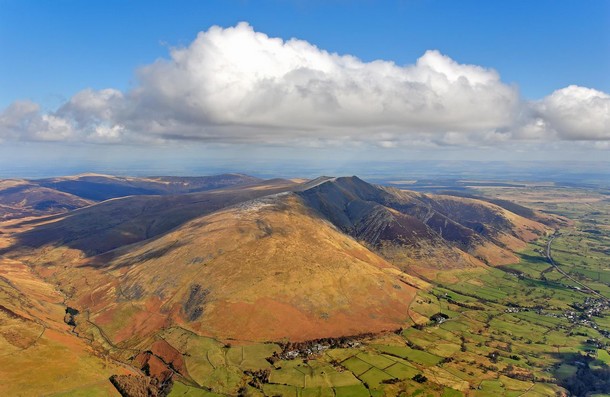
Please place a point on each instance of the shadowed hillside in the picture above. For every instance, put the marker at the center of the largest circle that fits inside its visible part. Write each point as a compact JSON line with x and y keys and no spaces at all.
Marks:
{"x":388,"y":218}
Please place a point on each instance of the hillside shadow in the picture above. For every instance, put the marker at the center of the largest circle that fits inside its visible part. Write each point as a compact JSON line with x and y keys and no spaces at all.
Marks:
{"x":581,"y":374}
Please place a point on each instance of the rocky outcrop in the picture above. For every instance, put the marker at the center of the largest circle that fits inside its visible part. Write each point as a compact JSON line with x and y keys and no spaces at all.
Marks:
{"x":141,"y":386}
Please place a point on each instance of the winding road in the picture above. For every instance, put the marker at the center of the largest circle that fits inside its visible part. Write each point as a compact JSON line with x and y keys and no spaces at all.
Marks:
{"x":549,"y":257}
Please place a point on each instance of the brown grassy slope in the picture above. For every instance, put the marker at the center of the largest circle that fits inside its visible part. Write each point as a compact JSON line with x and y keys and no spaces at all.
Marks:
{"x":39,"y":354}
{"x":265,"y":270}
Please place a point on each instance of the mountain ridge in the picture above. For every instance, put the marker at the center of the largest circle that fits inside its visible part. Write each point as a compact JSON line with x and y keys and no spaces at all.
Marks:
{"x":277,"y":261}
{"x":121,"y":243}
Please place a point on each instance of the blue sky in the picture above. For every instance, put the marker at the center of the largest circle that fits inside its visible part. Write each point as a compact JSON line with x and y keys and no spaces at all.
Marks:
{"x":52,"y":49}
{"x":84,"y":73}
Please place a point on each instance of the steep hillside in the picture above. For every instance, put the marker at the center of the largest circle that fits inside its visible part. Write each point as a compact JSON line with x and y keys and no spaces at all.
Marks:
{"x":443,"y":231}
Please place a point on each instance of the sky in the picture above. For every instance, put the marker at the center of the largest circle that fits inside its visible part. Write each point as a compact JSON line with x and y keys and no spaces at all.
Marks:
{"x":182,"y":84}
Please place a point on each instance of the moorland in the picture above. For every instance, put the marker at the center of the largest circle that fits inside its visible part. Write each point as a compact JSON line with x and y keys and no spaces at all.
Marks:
{"x":234,"y":285}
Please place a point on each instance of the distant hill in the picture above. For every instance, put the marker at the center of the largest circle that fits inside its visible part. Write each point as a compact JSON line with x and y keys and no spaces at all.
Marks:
{"x":21,"y":198}
{"x":126,"y":220}
{"x":104,"y":187}
{"x":24,"y":198}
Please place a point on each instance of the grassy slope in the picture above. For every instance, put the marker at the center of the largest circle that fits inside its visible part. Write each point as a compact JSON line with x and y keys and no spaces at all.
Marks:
{"x":272,"y":264}
{"x":39,"y":354}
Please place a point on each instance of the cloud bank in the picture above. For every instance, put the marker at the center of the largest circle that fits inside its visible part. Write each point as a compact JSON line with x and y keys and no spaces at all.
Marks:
{"x":235,"y":85}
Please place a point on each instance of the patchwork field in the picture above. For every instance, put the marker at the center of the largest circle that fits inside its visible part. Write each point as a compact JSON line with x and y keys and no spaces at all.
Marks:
{"x":523,"y":327}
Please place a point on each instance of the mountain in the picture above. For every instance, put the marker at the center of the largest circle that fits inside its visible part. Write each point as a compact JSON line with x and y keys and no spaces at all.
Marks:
{"x":275,"y":260}
{"x":287,"y":260}
{"x":268,"y":269}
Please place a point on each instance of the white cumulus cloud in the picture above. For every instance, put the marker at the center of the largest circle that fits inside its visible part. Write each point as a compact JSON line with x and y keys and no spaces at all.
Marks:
{"x":577,"y":113}
{"x":237,"y":76}
{"x":22,"y":120}
{"x":238,"y":85}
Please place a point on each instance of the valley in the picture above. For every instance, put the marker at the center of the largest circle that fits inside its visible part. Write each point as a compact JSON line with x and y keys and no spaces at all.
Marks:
{"x":233,"y":285}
